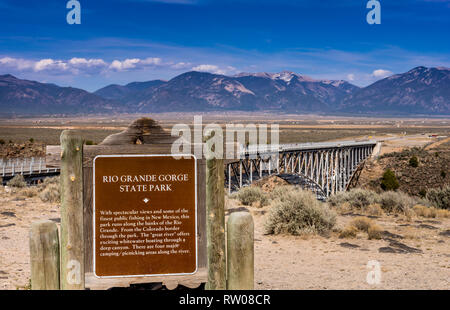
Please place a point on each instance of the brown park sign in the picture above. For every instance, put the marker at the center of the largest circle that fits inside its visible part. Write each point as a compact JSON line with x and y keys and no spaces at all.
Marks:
{"x":145,"y":215}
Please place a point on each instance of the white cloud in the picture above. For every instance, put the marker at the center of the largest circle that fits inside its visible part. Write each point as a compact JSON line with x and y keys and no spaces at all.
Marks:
{"x":134,"y":63}
{"x":181,"y":65}
{"x":215,"y":69}
{"x":380,"y":73}
{"x":49,"y":64}
{"x":14,"y":63}
{"x":93,"y":66}
{"x":351,"y":77}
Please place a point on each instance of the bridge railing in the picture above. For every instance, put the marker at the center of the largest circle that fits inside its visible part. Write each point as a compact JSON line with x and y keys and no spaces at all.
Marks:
{"x":24,"y":166}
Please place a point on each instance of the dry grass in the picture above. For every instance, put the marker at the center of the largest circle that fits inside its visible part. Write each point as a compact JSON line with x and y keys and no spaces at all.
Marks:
{"x":47,"y":191}
{"x":374,"y":232}
{"x":348,"y":232}
{"x":362,"y":224}
{"x":375,"y":210}
{"x":430,"y":212}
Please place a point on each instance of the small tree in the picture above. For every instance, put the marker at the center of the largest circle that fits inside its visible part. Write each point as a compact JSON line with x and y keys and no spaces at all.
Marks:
{"x":443,"y":174}
{"x":389,"y":181}
{"x":414,"y":162}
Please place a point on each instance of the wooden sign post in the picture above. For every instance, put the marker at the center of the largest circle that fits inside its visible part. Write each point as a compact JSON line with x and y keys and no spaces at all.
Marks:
{"x":145,"y":215}
{"x":132,"y":214}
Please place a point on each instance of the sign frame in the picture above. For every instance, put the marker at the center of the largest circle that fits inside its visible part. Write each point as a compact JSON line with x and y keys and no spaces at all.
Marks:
{"x":195,"y":221}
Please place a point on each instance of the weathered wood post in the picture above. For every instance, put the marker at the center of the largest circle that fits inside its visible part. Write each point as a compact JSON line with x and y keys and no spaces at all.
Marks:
{"x":72,"y":239}
{"x":215,"y":223}
{"x":240,"y":251}
{"x":44,"y":255}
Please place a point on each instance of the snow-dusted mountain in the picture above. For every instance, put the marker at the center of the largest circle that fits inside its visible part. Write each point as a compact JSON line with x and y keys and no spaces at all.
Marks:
{"x":201,"y":91}
{"x":419,"y":91}
{"x":19,"y":96}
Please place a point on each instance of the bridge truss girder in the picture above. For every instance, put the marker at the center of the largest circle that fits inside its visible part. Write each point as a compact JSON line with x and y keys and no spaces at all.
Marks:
{"x":325,"y":171}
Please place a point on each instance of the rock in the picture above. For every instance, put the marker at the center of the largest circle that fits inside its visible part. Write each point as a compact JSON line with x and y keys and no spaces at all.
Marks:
{"x":10,"y":214}
{"x":433,"y":222}
{"x":445,"y":233}
{"x":387,"y":250}
{"x":240,"y":209}
{"x":7,"y":225}
{"x":348,"y":245}
{"x":426,"y":226}
{"x":388,"y":234}
{"x":401,"y":248}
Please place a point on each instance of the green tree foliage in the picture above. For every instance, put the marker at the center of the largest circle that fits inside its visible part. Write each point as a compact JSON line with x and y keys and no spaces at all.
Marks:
{"x":389,"y":181}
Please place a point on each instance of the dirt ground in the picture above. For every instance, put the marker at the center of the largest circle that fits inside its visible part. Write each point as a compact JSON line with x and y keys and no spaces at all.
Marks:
{"x":316,"y":263}
{"x":281,"y":262}
{"x":16,"y":216}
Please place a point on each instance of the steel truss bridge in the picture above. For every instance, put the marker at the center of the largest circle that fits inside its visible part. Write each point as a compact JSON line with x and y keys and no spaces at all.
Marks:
{"x":324,"y":168}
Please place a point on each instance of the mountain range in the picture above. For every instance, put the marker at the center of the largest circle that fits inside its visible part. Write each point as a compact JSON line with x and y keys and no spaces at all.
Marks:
{"x":424,"y":91}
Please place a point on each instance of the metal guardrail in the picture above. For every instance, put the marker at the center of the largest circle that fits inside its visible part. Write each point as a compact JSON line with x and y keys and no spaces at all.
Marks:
{"x":32,"y":168}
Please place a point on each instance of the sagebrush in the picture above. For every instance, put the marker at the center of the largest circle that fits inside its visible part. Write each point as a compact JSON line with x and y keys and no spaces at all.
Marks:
{"x":298,"y":212}
{"x":251,"y":195}
{"x":440,"y":198}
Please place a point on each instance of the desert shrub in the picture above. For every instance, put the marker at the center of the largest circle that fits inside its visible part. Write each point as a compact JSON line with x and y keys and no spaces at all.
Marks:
{"x":48,"y":181}
{"x":442,"y":213}
{"x":50,"y":190}
{"x":443,"y":174}
{"x":424,"y":211}
{"x":17,"y":181}
{"x":396,"y":202}
{"x":422,"y":192}
{"x":375,"y":209}
{"x":348,"y":232}
{"x":338,"y":199}
{"x":361,"y":198}
{"x":250,"y":195}
{"x":361,"y":223}
{"x":2,"y":142}
{"x":299,"y":212}
{"x":29,"y":192}
{"x":280,"y":191}
{"x":31,"y":140}
{"x":389,"y":181}
{"x":414,"y":162}
{"x":374,"y":232}
{"x":440,"y":198}
{"x":89,"y":142}
{"x":356,"y":198}
{"x":50,"y":193}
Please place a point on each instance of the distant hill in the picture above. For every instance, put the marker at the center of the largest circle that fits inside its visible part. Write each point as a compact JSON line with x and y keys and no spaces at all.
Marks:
{"x":419,"y":91}
{"x":119,"y":92}
{"x":28,"y":97}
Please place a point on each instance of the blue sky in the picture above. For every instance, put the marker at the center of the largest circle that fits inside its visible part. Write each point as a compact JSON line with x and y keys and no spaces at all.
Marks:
{"x":120,"y":41}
